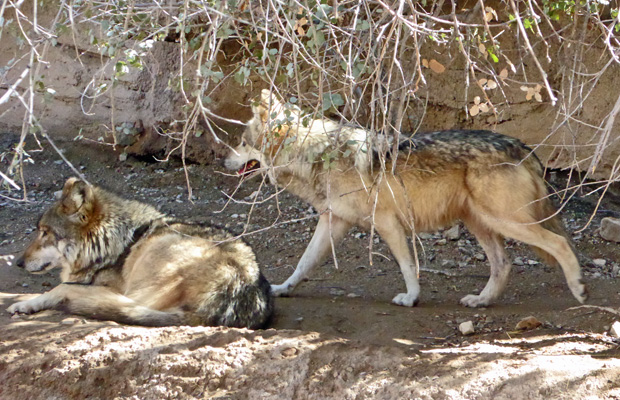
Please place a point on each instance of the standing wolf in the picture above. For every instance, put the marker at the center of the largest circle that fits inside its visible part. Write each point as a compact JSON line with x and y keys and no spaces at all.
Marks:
{"x":492,"y":182}
{"x":124,"y":261}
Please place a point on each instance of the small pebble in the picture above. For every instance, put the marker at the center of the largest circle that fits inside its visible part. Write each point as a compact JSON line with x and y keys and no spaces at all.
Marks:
{"x":615,"y":329}
{"x":599,"y":262}
{"x":528,"y":323}
{"x":291,"y":351}
{"x":467,"y":328}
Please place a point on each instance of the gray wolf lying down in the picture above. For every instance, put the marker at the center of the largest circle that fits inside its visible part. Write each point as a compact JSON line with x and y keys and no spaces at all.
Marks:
{"x":124,"y":261}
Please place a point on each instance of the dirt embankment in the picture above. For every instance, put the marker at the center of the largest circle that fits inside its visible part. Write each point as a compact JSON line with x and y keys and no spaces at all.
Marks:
{"x":141,"y":107}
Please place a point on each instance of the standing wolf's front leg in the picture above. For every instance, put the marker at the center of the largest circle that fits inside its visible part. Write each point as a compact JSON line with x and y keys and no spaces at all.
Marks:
{"x":317,"y":250}
{"x":394,"y":235}
{"x":46,"y":301}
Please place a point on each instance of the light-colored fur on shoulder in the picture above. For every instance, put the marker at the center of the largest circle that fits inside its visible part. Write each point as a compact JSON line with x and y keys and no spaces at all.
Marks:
{"x":124,"y":261}
{"x":491,"y":182}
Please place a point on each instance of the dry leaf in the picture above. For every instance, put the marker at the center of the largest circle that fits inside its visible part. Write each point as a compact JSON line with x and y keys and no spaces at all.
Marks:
{"x":532,"y":92}
{"x":503,"y":74}
{"x":436,"y":66}
{"x":299,"y":25}
{"x":484,"y":107}
{"x":491,"y":84}
{"x":425,"y":63}
{"x":477,"y":100}
{"x":482,"y":82}
{"x":474,"y":110}
{"x":490,"y":14}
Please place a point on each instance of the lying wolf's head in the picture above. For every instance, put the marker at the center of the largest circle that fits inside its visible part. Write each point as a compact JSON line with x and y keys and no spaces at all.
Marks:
{"x":267,"y":131}
{"x":60,"y":228}
{"x":85,"y":230}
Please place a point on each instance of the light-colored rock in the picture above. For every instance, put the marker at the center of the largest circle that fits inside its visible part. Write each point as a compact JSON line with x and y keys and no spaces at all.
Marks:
{"x":467,"y":328}
{"x":453,"y":233}
{"x":610,"y":229}
{"x":599,"y":262}
{"x":528,"y":323}
{"x":615,"y":329}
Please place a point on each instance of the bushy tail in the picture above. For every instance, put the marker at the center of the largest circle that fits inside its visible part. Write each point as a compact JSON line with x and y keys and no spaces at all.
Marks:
{"x":249,"y":307}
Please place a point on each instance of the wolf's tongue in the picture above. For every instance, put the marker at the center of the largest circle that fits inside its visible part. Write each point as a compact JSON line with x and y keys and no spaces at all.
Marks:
{"x":247,"y":167}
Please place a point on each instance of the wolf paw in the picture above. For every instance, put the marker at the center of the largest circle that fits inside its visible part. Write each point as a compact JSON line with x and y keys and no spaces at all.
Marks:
{"x":23,"y":307}
{"x":472,"y":300}
{"x":281,"y":290}
{"x":580,"y":291}
{"x":405,"y":299}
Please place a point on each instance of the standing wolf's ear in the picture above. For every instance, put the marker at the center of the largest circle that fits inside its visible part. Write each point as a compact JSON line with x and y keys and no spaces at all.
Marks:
{"x":267,"y":104}
{"x":76,"y":195}
{"x":260,"y":112}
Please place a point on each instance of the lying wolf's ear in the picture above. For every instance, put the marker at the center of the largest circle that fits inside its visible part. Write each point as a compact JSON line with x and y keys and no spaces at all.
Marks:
{"x":76,"y":194}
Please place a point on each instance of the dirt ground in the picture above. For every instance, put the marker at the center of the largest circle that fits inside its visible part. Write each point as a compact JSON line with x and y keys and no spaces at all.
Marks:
{"x":338,"y":337}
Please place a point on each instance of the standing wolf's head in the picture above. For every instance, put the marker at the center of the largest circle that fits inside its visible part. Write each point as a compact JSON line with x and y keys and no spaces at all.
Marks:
{"x":269,"y":129}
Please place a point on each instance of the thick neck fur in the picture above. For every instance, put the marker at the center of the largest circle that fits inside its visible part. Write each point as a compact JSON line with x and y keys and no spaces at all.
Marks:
{"x":324,"y":141}
{"x":110,"y":232}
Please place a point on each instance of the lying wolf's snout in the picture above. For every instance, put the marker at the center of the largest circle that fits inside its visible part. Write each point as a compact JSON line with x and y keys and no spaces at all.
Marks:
{"x":222,"y":161}
{"x":20,"y":262}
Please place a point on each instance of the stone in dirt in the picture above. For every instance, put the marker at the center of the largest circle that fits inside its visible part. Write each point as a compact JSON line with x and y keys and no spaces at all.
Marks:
{"x":610,"y":229}
{"x":599,"y":262}
{"x":528,"y":323}
{"x":453,"y":233}
{"x":615,"y":330}
{"x":467,"y":328}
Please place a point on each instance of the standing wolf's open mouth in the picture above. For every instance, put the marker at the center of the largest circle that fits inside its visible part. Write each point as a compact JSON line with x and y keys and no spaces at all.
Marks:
{"x":249,"y":167}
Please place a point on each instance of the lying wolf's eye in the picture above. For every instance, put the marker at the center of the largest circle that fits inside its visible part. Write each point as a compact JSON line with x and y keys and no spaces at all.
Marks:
{"x":46,"y":232}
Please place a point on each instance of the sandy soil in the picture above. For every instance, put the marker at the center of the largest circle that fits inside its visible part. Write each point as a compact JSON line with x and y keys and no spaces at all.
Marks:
{"x":338,"y":337}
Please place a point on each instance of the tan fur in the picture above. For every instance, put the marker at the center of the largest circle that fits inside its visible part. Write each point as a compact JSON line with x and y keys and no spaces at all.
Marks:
{"x":124,"y":261}
{"x":491,"y":182}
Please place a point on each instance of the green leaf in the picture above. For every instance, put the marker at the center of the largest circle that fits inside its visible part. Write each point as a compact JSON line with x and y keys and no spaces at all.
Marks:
{"x":337,"y":100}
{"x":493,"y":56}
{"x":363,"y":25}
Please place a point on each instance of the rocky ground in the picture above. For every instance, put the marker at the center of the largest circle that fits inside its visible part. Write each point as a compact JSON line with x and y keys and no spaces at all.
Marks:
{"x":338,"y":337}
